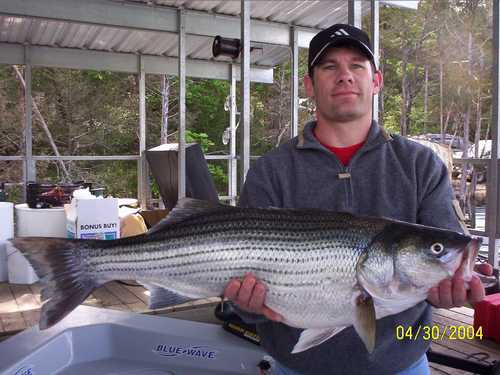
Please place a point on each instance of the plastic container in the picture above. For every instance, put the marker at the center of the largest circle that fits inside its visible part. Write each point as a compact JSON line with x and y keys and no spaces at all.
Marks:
{"x":487,"y":316}
{"x":19,"y":270}
{"x":32,"y":222}
{"x":101,"y":341}
{"x":40,"y":222}
{"x":6,"y":232}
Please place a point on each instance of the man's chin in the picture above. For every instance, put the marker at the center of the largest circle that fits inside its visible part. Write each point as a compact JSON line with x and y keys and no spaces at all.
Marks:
{"x":344,"y":116}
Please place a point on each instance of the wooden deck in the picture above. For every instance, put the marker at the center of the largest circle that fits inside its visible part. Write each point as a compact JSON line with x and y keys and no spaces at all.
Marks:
{"x":482,"y":351}
{"x":20,"y":304}
{"x":20,"y":309}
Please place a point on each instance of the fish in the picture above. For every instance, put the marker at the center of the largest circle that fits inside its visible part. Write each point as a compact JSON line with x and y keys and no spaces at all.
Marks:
{"x":323,"y":270}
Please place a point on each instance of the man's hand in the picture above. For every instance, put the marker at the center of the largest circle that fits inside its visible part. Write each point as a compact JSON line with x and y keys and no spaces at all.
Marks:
{"x":452,"y":292}
{"x":249,"y":295}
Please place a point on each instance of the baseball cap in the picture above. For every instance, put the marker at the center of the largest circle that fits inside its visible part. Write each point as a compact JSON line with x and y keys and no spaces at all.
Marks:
{"x":338,"y":35}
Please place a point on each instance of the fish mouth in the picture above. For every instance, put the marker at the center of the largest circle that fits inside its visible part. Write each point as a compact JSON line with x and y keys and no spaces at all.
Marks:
{"x":469,"y":258}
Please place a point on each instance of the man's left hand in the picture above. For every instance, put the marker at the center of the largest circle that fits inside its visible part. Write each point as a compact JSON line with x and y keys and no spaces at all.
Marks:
{"x":452,"y":292}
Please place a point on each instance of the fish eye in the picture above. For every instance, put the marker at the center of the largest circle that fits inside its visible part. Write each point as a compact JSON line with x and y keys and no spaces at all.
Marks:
{"x":437,"y":248}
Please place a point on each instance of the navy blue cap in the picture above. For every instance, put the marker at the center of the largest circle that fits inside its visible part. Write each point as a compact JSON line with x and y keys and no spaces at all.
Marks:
{"x":336,"y":36}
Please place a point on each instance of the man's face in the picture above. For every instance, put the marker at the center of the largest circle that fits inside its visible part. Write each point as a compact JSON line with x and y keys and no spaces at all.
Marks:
{"x":343,"y":85}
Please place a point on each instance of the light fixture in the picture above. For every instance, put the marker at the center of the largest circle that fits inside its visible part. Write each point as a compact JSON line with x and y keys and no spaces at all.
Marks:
{"x":226,"y":47}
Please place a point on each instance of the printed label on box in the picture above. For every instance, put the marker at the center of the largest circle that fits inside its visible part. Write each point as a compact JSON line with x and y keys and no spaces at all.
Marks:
{"x":93,"y":219}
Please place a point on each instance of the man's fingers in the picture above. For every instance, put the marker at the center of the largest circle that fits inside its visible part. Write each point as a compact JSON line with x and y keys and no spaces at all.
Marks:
{"x":476,"y":293}
{"x":433,"y":296}
{"x":484,"y":268}
{"x":445,"y":294}
{"x":271,"y":314}
{"x":232,"y":288}
{"x":249,"y":295}
{"x":246,"y":291}
{"x":256,"y":302}
{"x":459,"y":292}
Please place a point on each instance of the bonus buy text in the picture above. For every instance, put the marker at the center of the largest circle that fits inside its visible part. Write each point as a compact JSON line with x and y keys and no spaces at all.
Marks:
{"x":97,"y":226}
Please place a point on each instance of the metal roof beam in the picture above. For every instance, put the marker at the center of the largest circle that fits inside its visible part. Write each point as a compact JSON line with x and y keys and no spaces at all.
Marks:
{"x":96,"y":12}
{"x":122,"y":62}
{"x":141,"y":17}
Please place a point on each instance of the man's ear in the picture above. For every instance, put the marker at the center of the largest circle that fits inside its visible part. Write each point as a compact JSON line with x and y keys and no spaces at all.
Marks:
{"x":309,"y":86}
{"x":378,"y":82}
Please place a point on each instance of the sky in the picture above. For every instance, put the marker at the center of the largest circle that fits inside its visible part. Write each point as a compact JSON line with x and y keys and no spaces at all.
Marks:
{"x":403,"y":3}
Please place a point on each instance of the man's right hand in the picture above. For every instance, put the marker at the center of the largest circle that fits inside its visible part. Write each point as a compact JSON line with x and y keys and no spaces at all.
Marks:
{"x":249,"y":295}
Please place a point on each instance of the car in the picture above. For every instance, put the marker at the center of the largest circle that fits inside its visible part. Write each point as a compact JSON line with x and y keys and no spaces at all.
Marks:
{"x":484,"y":149}
{"x":451,"y":140}
{"x":483,"y":152}
{"x":457,"y":145}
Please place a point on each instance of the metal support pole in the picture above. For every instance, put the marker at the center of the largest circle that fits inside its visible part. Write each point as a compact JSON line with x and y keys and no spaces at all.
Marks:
{"x":492,"y":207}
{"x":375,"y":36}
{"x":245,"y":90}
{"x":232,"y":163}
{"x":295,"y":82}
{"x":354,"y":13}
{"x":29,"y":169}
{"x":142,"y":167}
{"x":182,"y":107}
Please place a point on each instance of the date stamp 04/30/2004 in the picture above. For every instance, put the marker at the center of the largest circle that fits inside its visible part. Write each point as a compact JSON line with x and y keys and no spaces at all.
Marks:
{"x":438,"y":332}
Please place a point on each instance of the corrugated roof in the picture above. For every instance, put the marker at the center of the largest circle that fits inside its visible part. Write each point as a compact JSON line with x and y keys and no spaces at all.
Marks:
{"x":307,"y":13}
{"x":85,"y":36}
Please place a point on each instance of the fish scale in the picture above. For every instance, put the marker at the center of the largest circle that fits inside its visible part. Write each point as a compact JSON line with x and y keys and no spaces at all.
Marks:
{"x":323,"y":270}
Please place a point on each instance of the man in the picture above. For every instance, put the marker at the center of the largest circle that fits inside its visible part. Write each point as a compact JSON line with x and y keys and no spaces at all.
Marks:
{"x":344,"y":161}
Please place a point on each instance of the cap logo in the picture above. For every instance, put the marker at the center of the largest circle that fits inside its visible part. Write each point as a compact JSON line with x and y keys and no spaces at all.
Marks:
{"x":340,"y":32}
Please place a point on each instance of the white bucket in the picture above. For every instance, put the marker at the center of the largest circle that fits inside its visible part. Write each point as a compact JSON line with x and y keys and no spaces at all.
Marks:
{"x":4,"y":273}
{"x":33,"y":222}
{"x":6,"y":232}
{"x":40,"y":222}
{"x":20,"y":271}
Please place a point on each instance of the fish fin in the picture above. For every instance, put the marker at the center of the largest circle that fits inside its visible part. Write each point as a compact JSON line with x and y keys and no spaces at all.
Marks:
{"x":312,"y":337}
{"x":365,"y":321}
{"x":185,"y":208}
{"x":44,"y":294}
{"x":57,"y":263}
{"x":160,"y":297}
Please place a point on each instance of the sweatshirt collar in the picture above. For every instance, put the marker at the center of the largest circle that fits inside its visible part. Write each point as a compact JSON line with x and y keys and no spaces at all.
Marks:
{"x":376,"y":135}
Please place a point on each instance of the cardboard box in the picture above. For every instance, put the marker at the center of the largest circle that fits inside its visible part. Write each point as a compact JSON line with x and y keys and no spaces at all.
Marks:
{"x":93,"y":219}
{"x":151,"y":217}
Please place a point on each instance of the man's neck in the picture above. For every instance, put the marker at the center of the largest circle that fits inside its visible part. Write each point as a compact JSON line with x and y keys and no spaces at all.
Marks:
{"x":342,"y":134}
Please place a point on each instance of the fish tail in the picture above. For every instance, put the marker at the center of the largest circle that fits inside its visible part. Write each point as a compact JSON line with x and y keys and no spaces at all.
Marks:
{"x":58,"y":264}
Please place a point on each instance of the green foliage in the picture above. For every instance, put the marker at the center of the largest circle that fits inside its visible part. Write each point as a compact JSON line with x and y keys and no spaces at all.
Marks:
{"x":96,"y":112}
{"x":200,"y":138}
{"x":219,"y":174}
{"x":205,"y":108}
{"x":392,"y":111}
{"x":436,"y":35}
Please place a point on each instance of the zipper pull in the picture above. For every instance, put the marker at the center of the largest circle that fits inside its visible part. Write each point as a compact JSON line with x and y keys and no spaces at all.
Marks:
{"x":344,"y":175}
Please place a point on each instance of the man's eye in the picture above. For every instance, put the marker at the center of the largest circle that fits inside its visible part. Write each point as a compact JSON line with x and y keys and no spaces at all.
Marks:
{"x":357,"y":66}
{"x":329,"y":66}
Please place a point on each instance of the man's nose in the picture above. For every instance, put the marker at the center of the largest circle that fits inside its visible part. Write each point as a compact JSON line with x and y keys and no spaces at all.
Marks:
{"x":344,"y":75}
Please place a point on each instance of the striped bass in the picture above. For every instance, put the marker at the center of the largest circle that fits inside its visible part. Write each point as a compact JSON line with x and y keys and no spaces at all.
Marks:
{"x":323,"y":270}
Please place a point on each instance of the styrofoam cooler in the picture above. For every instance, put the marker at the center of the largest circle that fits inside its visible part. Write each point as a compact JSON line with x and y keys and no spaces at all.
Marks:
{"x":6,"y":232}
{"x":19,"y":270}
{"x":32,"y":222}
{"x":4,"y":273}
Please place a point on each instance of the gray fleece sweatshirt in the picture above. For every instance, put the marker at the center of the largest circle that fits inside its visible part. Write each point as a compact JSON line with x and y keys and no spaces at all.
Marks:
{"x":389,"y":176}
